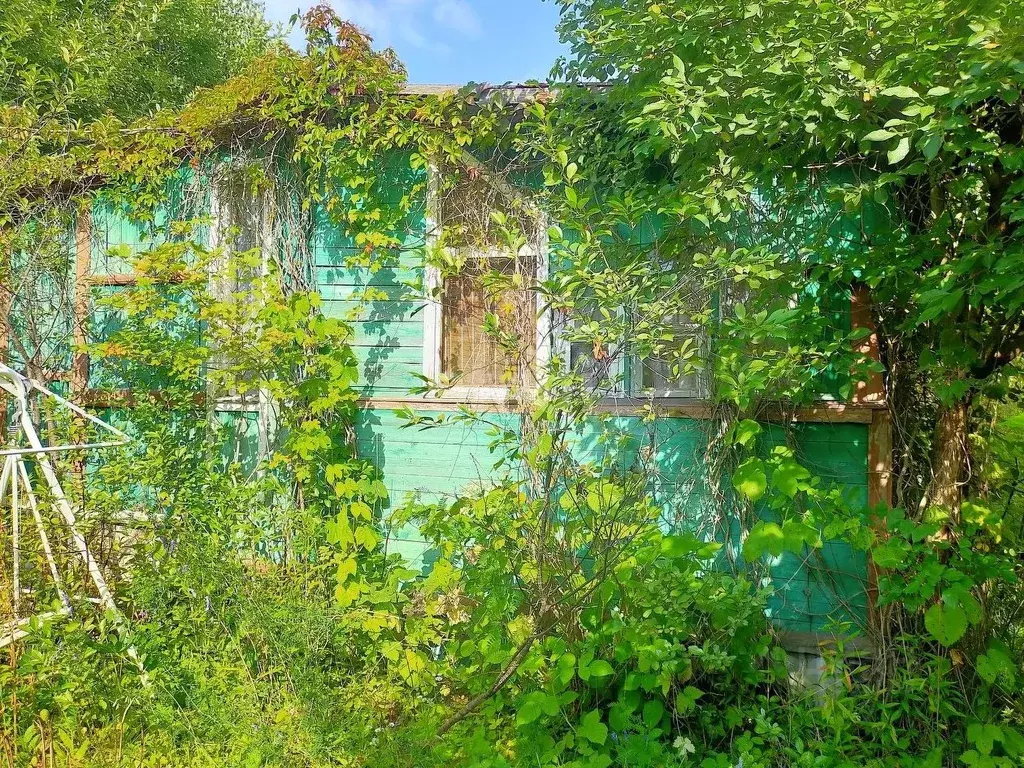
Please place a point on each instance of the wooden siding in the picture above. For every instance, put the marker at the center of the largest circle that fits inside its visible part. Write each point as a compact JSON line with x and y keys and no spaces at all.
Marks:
{"x":812,"y":591}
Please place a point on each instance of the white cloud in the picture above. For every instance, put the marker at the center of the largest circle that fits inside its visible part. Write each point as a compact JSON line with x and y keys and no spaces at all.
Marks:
{"x":459,"y":16}
{"x":430,"y":25}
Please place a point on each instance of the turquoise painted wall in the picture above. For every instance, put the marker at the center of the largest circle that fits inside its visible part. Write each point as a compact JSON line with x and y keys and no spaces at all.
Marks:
{"x":825,"y":585}
{"x":812,"y":591}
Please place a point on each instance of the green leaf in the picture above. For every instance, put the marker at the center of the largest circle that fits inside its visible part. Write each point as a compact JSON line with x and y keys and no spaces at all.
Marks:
{"x":366,"y":537}
{"x":346,"y":568}
{"x":797,"y":534}
{"x":930,"y":148}
{"x":946,"y":623}
{"x":529,"y":711}
{"x":901,"y":151}
{"x":679,"y":545}
{"x":984,"y":736}
{"x":592,"y":729}
{"x":750,"y":479}
{"x":618,"y":716}
{"x":653,"y":712}
{"x":880,"y":135}
{"x":534,"y":705}
{"x":962,"y":598}
{"x":603,"y":496}
{"x":600,"y":668}
{"x":763,"y":537}
{"x":788,"y":476}
{"x":745,"y":431}
{"x":891,"y":554}
{"x":687,"y":698}
{"x":901,"y":92}
{"x":996,"y":664}
{"x":565,"y":669}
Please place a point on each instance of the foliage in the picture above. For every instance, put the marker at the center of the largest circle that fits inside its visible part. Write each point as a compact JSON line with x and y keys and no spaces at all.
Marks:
{"x":907,"y":116}
{"x":72,"y":62}
{"x":746,"y":167}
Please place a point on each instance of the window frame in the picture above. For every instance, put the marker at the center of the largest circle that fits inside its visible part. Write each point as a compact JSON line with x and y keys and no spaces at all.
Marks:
{"x":262,"y":405}
{"x":433,"y":312}
{"x":635,"y":375}
{"x":620,"y":369}
{"x":630,"y":368}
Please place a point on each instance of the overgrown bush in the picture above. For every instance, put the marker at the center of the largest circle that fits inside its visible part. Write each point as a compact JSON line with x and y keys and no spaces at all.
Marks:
{"x":564,"y":620}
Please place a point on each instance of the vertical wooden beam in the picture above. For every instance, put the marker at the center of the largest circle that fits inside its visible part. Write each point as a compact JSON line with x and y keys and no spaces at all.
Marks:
{"x":83,"y":266}
{"x":872,"y":390}
{"x":879,"y":440}
{"x":880,"y":459}
{"x":879,"y":497}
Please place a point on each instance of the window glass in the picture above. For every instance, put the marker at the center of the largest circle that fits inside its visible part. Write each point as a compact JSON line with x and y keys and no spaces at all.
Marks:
{"x":592,"y":355}
{"x":676,"y":370}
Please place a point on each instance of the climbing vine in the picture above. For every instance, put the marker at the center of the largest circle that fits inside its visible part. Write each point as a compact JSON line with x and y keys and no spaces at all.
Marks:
{"x":685,"y":235}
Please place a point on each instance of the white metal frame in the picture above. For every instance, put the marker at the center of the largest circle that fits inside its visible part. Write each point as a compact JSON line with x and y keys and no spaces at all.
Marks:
{"x":15,"y":477}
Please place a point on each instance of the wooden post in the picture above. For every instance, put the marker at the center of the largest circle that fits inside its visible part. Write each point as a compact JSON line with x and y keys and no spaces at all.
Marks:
{"x":83,"y":266}
{"x":872,"y":392}
{"x":879,"y":495}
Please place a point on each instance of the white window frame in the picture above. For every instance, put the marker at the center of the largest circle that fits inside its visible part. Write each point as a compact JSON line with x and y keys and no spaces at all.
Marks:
{"x":263,"y":404}
{"x":629,"y":368}
{"x":636,"y":377}
{"x":618,"y":370}
{"x":433,"y":312}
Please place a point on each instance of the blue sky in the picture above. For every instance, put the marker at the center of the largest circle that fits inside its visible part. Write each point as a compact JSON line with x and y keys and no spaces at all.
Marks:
{"x":453,"y":41}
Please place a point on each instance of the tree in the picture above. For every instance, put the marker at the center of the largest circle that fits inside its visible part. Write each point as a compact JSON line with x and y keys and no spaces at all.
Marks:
{"x":81,"y":61}
{"x":901,"y":123}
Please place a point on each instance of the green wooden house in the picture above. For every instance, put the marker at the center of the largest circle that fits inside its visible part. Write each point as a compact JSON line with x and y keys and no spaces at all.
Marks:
{"x":403,"y":334}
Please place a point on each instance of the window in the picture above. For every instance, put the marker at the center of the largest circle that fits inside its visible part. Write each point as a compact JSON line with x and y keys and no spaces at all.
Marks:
{"x":476,"y":316}
{"x":595,"y":363}
{"x":240,"y":227}
{"x":596,"y":359}
{"x":242,"y":224}
{"x":676,"y":370}
{"x":657,"y":347}
{"x":485,"y":333}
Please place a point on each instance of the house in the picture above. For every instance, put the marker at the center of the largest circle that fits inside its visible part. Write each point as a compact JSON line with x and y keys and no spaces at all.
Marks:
{"x":408,"y":330}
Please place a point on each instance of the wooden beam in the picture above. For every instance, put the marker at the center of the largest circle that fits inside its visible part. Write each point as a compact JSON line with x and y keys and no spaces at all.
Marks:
{"x":83,"y":265}
{"x":872,"y":390}
{"x":127,"y":398}
{"x":131,"y":278}
{"x":115,"y":279}
{"x":813,"y":643}
{"x":827,"y":413}
{"x":679,"y":408}
{"x":879,"y":497}
{"x":880,"y":459}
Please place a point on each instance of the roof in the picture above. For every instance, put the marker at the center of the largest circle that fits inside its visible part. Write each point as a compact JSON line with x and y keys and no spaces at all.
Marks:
{"x":516,"y":93}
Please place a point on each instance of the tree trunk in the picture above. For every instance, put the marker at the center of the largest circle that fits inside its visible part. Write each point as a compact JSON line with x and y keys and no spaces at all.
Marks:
{"x":949,"y":459}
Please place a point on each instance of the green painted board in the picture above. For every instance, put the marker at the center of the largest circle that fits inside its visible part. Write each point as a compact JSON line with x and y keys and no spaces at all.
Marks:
{"x":812,"y":593}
